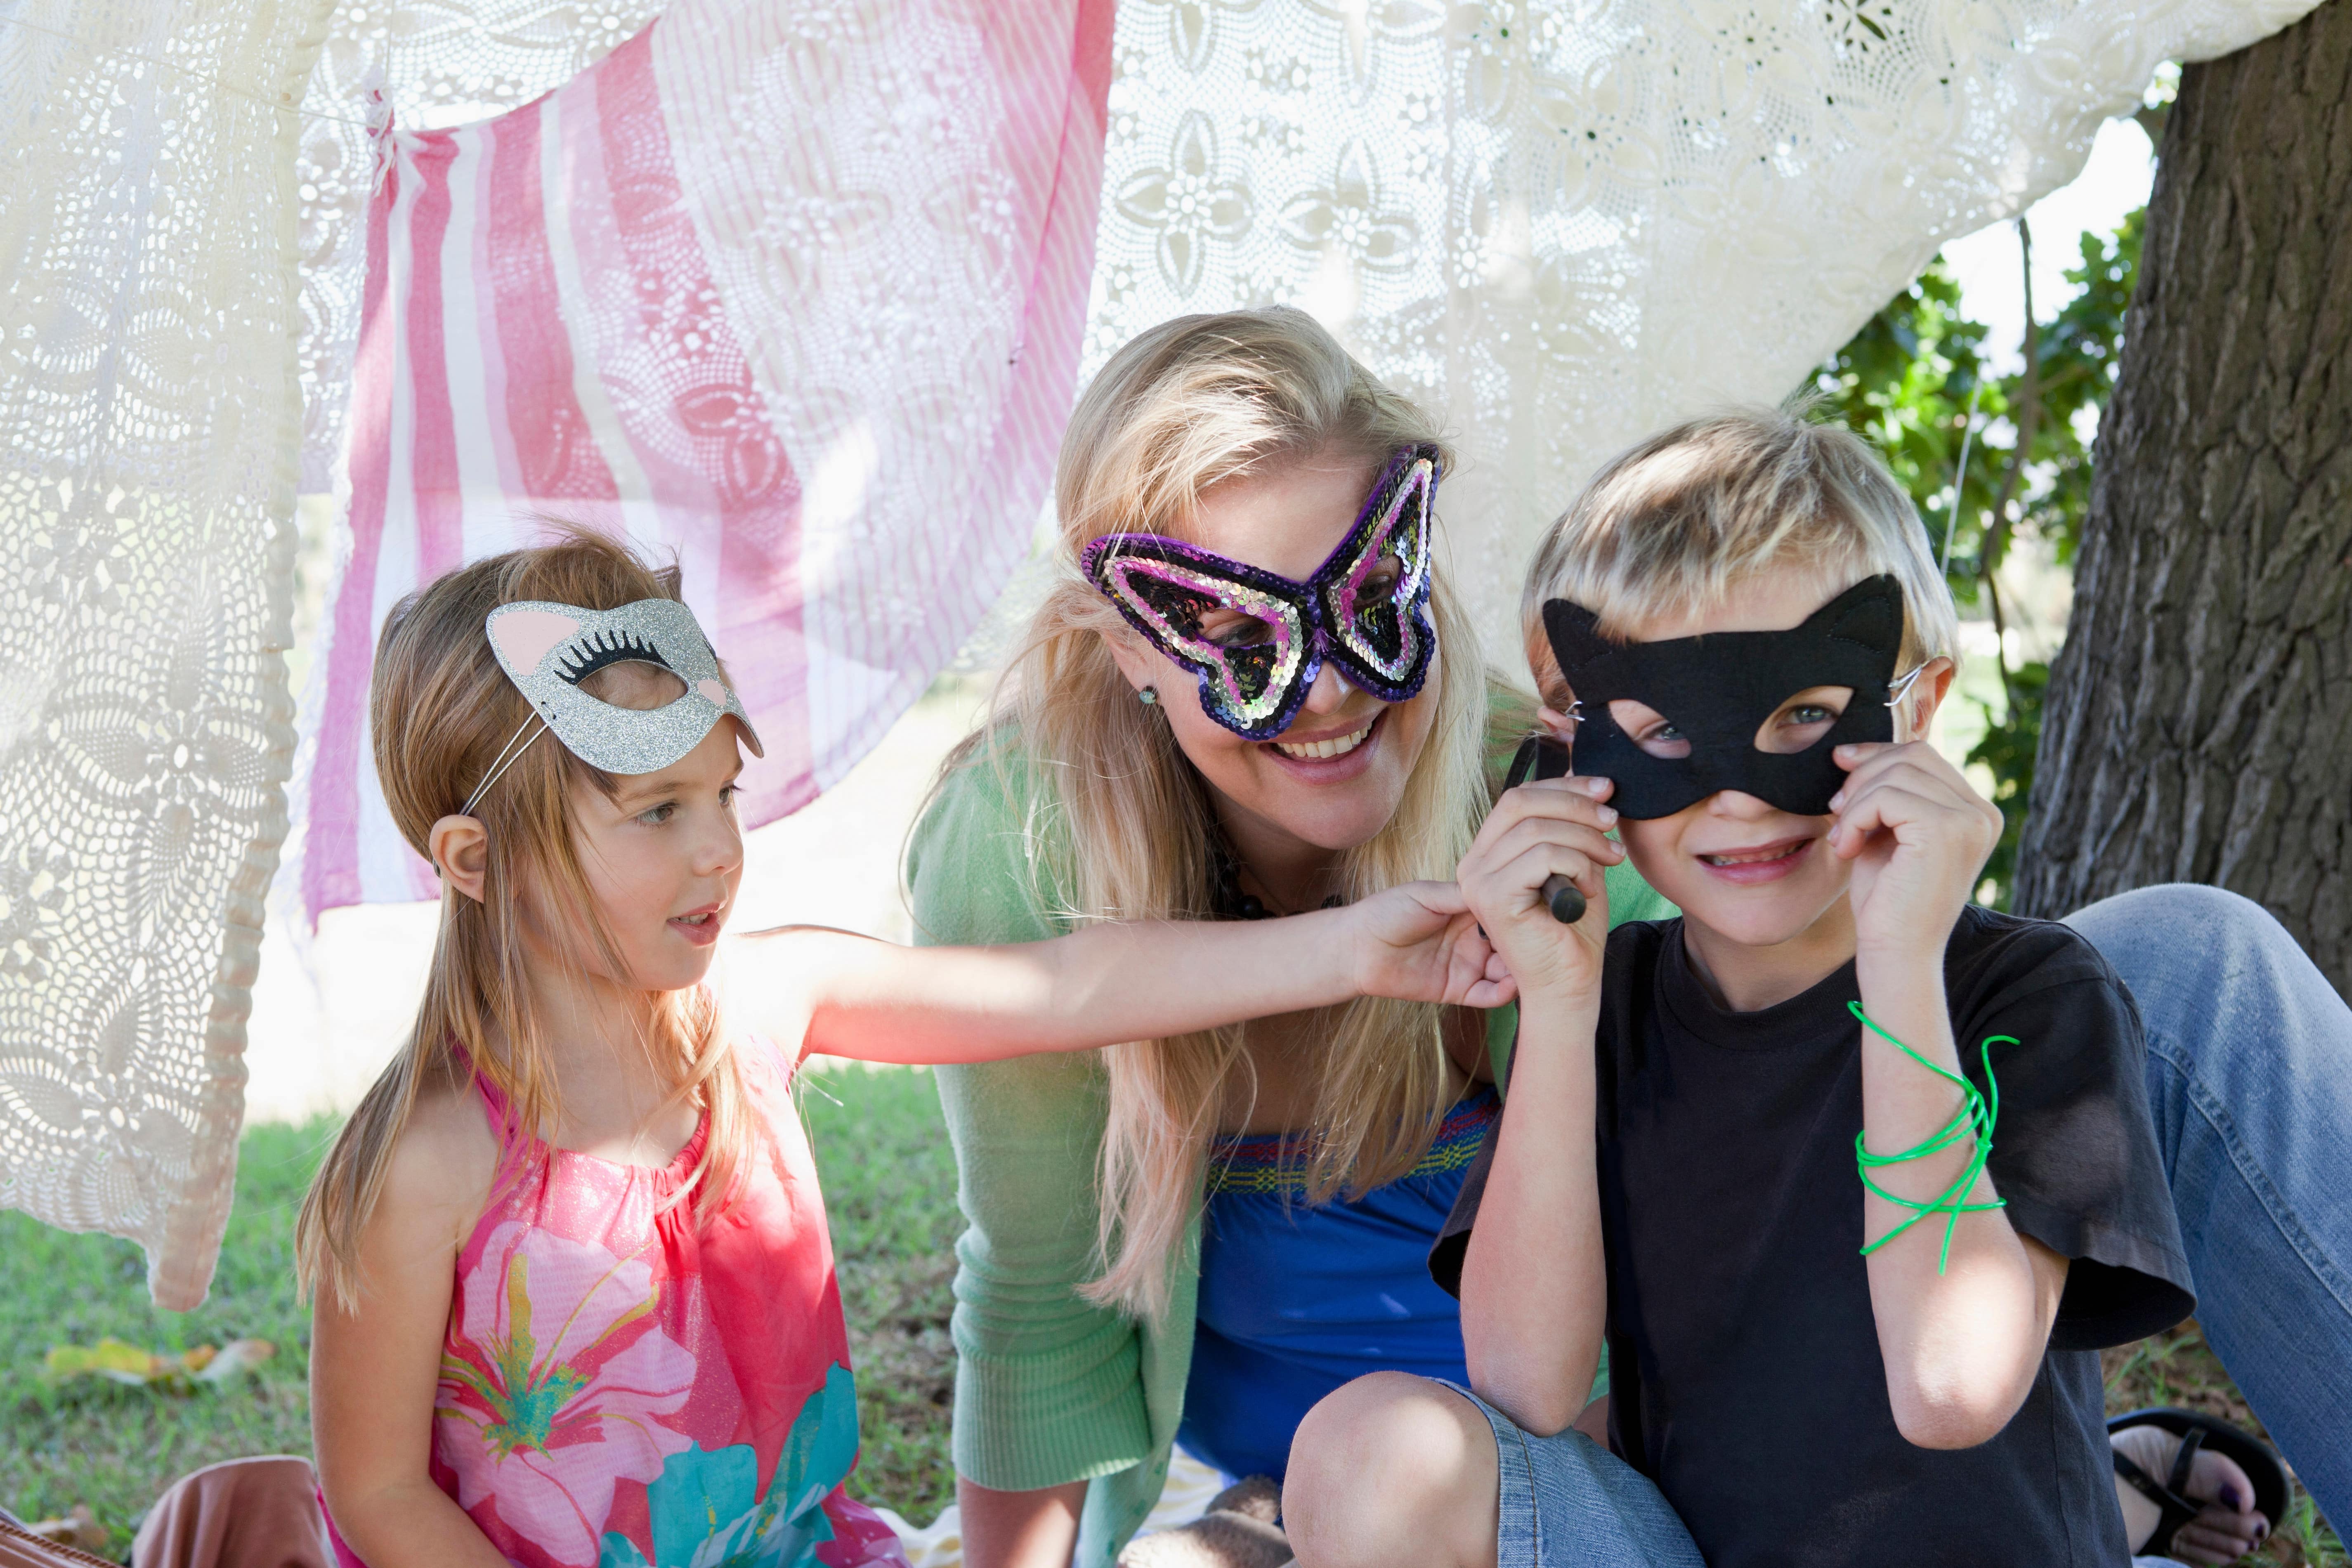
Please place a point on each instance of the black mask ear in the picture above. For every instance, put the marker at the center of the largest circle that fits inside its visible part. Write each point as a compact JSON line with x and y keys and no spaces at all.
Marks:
{"x":1869,"y":614}
{"x":1576,"y":640}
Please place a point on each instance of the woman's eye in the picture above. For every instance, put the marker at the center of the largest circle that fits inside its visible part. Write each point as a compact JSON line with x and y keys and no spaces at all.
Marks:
{"x":1811,"y":713}
{"x":1661,"y":730}
{"x":1381,"y":582}
{"x":1241,"y":631}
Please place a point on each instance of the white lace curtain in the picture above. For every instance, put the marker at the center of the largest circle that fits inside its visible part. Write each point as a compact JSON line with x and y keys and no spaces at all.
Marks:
{"x":1557,"y":224}
{"x":148,"y":421}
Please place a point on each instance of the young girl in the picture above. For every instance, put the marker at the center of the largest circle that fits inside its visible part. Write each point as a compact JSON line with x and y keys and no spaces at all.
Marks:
{"x":576,"y":1302}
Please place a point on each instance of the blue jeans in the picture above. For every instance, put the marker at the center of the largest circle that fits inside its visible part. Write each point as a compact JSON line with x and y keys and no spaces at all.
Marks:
{"x":2249,"y":1082}
{"x":1566,"y":1499}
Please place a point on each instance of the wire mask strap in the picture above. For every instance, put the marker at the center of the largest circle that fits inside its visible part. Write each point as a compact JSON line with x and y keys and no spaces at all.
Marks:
{"x":508,"y":755}
{"x":1901,"y":687}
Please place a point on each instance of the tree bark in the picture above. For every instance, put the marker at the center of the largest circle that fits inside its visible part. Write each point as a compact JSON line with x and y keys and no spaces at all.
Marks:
{"x":2199,"y":722}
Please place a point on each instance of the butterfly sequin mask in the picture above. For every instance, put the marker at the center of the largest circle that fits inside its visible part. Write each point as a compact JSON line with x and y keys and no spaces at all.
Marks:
{"x":547,"y":649}
{"x":1719,"y":690}
{"x":1365,"y":609}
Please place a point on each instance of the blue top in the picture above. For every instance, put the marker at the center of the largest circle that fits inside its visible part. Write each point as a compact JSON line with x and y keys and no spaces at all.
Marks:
{"x":1297,"y":1299}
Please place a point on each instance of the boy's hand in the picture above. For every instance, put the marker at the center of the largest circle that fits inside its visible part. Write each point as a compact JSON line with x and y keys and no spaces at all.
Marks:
{"x":1544,"y":828}
{"x":1918,"y":838}
{"x":1418,"y":942}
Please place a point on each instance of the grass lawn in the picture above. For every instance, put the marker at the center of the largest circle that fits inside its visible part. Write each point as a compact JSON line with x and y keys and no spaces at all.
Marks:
{"x":889,"y":1186}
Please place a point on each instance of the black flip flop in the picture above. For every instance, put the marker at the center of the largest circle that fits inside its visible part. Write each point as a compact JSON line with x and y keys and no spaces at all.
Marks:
{"x":2199,"y":1431}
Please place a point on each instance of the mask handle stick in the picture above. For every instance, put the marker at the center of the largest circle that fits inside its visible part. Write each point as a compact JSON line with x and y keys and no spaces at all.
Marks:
{"x":1566,"y":899}
{"x":1540,"y":757}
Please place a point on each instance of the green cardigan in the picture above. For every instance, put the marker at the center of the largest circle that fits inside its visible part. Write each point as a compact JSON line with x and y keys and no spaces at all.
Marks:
{"x":1050,"y":1389}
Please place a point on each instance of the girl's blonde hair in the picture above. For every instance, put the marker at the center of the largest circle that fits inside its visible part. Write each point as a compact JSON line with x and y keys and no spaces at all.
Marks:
{"x":439,"y":711}
{"x":1119,"y":826}
{"x":1674,"y":523}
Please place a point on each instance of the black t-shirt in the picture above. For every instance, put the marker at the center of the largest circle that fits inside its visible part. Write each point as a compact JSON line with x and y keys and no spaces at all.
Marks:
{"x":1744,"y":1364}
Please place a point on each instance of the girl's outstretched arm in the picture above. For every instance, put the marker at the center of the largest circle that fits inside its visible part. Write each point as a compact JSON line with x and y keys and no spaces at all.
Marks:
{"x":849,"y":995}
{"x":374,"y":1367}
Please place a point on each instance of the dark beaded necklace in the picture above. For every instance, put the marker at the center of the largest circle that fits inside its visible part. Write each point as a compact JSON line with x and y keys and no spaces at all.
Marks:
{"x":1229,"y":902}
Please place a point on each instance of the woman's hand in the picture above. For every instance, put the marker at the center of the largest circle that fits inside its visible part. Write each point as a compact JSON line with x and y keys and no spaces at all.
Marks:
{"x":1418,"y":942}
{"x":1545,"y":828}
{"x":1918,"y":838}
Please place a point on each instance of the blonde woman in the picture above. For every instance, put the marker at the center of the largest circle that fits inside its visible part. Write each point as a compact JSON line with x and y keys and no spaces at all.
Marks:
{"x":1251,"y":692}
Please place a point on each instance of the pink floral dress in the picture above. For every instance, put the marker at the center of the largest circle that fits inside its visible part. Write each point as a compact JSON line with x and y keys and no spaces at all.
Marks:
{"x":624,"y":1388}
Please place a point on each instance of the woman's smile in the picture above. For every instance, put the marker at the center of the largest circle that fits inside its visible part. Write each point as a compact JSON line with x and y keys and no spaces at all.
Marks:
{"x":1328,"y":754}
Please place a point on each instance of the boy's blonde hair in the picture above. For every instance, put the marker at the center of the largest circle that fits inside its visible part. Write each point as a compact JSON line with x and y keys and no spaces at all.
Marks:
{"x":1674,"y":523}
{"x":1118,"y":820}
{"x":440,"y":711}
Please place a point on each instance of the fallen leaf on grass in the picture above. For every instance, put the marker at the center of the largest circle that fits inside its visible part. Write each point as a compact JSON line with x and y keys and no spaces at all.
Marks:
{"x":113,"y":1361}
{"x":78,"y":1528}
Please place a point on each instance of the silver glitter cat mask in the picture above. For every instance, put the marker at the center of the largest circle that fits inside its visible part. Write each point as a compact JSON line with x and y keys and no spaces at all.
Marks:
{"x":1378,"y":633}
{"x":548,"y":650}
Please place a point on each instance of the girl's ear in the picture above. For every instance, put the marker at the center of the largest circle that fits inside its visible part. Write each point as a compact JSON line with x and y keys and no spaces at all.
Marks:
{"x":461,"y":854}
{"x":1927,"y":695}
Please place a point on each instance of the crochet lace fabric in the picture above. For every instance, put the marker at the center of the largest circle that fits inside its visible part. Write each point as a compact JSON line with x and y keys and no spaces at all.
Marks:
{"x":1557,"y":225}
{"x":1560,"y":226}
{"x":148,"y":416}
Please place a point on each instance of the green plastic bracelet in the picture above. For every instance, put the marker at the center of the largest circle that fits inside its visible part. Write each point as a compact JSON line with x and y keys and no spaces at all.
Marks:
{"x":1974,"y":1120}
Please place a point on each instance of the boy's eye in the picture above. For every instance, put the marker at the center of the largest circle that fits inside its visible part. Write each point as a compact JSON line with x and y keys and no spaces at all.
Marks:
{"x":1804,"y":720}
{"x":1663,"y":740}
{"x":1650,"y":729}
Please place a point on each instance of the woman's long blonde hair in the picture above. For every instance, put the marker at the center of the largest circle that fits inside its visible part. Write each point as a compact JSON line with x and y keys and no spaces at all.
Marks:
{"x":439,"y":711}
{"x":1119,"y":825}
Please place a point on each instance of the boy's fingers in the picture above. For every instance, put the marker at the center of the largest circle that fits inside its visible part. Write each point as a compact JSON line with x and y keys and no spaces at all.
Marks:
{"x":1555,"y":812}
{"x":1894,"y":767}
{"x":1528,"y":832}
{"x":1888,"y":807}
{"x":1530,"y":868}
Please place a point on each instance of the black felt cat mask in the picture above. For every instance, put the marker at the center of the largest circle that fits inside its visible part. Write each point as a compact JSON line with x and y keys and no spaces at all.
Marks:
{"x":1719,"y":689}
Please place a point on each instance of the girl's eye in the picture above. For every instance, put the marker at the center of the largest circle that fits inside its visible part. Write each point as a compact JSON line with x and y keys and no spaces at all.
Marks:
{"x":655,"y":816}
{"x":727,"y":794}
{"x":1662,"y":730}
{"x":1381,"y":581}
{"x":1811,"y":713}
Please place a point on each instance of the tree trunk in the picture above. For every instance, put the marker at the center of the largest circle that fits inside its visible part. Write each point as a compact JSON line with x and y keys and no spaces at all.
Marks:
{"x":2199,"y":723}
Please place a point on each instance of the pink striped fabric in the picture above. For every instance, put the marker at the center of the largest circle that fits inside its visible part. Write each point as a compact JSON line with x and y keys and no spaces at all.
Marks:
{"x":794,"y":297}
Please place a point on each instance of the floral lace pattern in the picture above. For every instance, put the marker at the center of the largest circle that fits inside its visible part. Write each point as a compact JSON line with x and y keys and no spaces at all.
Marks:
{"x":147,"y":416}
{"x":1560,"y":226}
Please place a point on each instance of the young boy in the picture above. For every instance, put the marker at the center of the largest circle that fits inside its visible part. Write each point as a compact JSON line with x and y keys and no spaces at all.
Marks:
{"x":1815,"y":1362}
